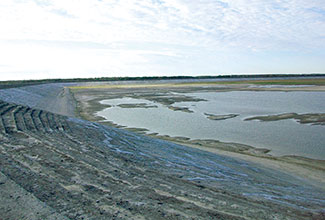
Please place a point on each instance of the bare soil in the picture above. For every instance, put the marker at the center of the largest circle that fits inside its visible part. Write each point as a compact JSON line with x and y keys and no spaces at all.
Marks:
{"x":53,"y":166}
{"x":312,"y":171}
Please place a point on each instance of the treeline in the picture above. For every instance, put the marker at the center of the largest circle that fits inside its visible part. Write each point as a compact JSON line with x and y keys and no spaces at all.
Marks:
{"x":18,"y":83}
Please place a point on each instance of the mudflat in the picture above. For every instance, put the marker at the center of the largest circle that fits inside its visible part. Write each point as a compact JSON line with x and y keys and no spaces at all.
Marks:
{"x":54,"y":166}
{"x":89,"y":97}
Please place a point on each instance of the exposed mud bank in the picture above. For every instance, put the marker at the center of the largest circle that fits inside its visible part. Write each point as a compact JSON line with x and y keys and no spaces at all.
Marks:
{"x":88,"y":104}
{"x":220,"y":117}
{"x":314,"y":119}
{"x":75,"y":169}
{"x":58,"y":167}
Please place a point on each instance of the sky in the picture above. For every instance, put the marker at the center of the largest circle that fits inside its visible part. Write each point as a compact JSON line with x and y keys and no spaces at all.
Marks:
{"x":108,"y":38}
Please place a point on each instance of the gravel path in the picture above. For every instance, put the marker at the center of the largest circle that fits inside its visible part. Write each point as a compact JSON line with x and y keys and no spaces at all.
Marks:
{"x":55,"y":98}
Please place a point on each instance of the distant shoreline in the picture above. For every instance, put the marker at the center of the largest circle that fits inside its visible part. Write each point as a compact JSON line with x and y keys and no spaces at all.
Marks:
{"x":241,"y":77}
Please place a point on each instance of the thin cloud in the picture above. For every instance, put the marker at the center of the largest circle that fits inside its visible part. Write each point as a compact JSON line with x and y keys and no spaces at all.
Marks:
{"x":160,"y":33}
{"x":254,"y":23}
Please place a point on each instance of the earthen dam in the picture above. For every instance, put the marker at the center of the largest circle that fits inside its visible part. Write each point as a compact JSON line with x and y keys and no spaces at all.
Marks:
{"x":56,"y":166}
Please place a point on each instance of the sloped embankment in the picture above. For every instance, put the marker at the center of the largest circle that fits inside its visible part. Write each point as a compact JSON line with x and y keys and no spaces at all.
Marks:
{"x":56,"y":167}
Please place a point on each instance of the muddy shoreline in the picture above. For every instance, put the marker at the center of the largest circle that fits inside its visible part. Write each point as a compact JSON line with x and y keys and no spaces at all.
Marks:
{"x":313,"y":119}
{"x":311,"y":170}
{"x":59,"y":167}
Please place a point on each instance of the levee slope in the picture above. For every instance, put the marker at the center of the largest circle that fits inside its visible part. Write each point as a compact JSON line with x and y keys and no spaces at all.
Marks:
{"x":57,"y":167}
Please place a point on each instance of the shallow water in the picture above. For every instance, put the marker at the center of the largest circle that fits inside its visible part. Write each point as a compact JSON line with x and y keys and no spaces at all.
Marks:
{"x":286,"y":137}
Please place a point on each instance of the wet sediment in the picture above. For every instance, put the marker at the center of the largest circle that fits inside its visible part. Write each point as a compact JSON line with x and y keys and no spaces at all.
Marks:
{"x":83,"y":170}
{"x":60,"y":167}
{"x":89,"y":102}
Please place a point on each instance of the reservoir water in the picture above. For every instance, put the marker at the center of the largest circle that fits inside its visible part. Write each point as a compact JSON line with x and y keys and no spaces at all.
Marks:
{"x":284,"y":137}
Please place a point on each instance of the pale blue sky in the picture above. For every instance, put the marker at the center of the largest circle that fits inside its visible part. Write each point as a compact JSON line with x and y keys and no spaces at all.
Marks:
{"x":89,"y":38}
